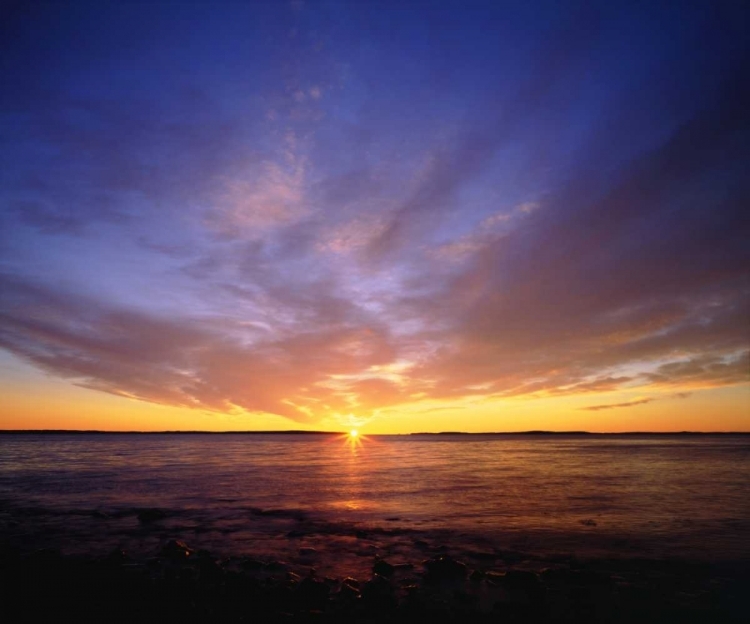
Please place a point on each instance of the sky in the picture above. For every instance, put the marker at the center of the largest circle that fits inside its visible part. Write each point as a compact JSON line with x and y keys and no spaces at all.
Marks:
{"x":398,"y":216}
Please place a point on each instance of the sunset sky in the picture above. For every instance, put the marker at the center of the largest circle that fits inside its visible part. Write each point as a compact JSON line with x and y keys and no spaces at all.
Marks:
{"x":407,"y":216}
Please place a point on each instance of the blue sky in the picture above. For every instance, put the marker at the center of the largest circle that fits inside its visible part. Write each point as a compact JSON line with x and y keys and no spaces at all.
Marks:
{"x":330,"y":210}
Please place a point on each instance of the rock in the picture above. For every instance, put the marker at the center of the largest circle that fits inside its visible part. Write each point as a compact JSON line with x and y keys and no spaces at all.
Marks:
{"x":400,"y":567}
{"x":445,"y":568}
{"x":176,"y":550}
{"x":483,"y":555}
{"x":555,"y":574}
{"x":521,"y":578}
{"x":252,"y":564}
{"x":378,"y":594}
{"x":307,"y":551}
{"x":463,"y":598}
{"x":524,"y":586}
{"x":118,"y":555}
{"x":46,"y":556}
{"x":347,"y":592}
{"x":511,"y":557}
{"x":100,"y":514}
{"x":312,"y":593}
{"x":351,"y":582}
{"x":408,"y":580}
{"x":312,"y":615}
{"x":208,"y":566}
{"x":476,"y":576}
{"x":578,"y":578}
{"x":276,"y":566}
{"x":383,"y":568}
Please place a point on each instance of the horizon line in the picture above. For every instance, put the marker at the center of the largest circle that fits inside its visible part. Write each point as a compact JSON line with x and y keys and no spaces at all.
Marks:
{"x":346,"y":432}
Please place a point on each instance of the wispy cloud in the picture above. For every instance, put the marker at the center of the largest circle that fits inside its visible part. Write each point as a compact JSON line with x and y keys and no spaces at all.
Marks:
{"x":596,"y":408}
{"x":283,"y":225}
{"x":634,"y":402}
{"x":272,"y":195}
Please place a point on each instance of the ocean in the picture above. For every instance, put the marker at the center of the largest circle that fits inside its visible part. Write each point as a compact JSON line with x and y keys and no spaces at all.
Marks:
{"x":274,"y":496}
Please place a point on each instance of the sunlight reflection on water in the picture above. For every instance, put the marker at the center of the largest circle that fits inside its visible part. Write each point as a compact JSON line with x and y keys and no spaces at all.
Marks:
{"x":683,"y":492}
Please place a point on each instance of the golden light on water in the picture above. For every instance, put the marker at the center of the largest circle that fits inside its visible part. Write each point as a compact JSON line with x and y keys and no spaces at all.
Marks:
{"x":353,"y":439}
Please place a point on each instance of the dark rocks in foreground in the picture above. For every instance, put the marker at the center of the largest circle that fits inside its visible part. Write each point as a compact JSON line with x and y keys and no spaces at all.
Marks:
{"x":180,"y":584}
{"x":445,"y":568}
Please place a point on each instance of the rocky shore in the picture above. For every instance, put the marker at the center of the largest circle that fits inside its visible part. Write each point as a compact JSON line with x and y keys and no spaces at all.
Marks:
{"x":177,"y":583}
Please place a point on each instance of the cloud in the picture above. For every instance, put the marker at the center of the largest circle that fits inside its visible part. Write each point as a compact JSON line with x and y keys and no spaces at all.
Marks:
{"x":352,"y":235}
{"x":578,"y":226}
{"x":682,"y":395}
{"x":198,"y":363}
{"x":599,"y":281}
{"x":596,"y":408}
{"x":634,"y":402}
{"x":703,"y":370}
{"x":272,"y":195}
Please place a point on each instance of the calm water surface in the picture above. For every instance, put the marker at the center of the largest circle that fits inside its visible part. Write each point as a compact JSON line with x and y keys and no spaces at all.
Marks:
{"x":652,"y":495}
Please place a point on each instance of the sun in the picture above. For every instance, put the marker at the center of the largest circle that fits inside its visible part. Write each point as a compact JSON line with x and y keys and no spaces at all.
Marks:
{"x":353,"y":439}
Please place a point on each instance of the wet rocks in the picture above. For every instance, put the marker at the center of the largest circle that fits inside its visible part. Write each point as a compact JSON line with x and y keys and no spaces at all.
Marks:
{"x":250,"y":564}
{"x":312,"y":593}
{"x":523,"y":585}
{"x":493,"y":577}
{"x":383,"y":568}
{"x":476,"y":576}
{"x":348,"y":592}
{"x":445,"y":568}
{"x":521,"y":578}
{"x":181,"y":584}
{"x":378,"y":595}
{"x":276,"y":566}
{"x":208,"y":567}
{"x":176,"y":550}
{"x":400,"y":567}
{"x":117,"y":556}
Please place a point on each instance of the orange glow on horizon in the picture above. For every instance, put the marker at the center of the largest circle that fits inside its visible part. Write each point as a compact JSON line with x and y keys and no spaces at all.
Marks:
{"x":32,"y":400}
{"x":354,"y":439}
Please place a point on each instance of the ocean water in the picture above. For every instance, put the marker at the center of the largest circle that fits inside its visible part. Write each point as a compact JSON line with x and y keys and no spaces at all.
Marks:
{"x":622,"y":496}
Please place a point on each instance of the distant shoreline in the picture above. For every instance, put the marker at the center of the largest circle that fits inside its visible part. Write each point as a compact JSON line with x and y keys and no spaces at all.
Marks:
{"x":338,"y":433}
